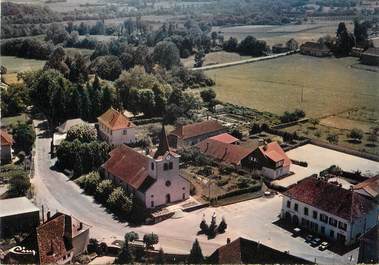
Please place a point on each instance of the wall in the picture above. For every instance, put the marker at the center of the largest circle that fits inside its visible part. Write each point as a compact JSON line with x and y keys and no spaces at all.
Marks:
{"x":5,"y":153}
{"x":80,"y":242}
{"x":117,"y":137}
{"x":26,"y":222}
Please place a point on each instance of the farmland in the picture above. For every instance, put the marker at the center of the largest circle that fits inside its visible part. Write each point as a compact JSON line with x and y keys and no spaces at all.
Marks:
{"x":280,"y":34}
{"x":329,"y":85}
{"x":15,"y":64}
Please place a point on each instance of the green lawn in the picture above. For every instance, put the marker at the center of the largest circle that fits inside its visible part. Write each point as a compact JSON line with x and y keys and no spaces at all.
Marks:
{"x":329,"y":85}
{"x":15,"y":64}
{"x":13,"y":120}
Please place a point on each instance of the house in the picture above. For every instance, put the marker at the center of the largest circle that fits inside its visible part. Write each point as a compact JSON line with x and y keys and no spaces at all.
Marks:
{"x":152,"y":176}
{"x":194,"y":133}
{"x":244,"y":251}
{"x":225,"y":138}
{"x":58,"y":240}
{"x":370,"y":56}
{"x":327,"y":209}
{"x":369,"y":247}
{"x":6,"y":146}
{"x":115,"y":128}
{"x":279,"y":48}
{"x":17,"y":215}
{"x":315,"y":49}
{"x":369,"y":188}
{"x":271,"y":161}
{"x":227,"y":153}
{"x":61,"y":130}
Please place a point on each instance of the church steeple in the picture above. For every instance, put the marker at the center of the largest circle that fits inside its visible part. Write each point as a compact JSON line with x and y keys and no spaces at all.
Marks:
{"x":163,"y":146}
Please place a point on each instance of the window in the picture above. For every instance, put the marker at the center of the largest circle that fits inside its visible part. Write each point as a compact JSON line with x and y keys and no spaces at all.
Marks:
{"x":305,"y":211}
{"x":170,"y":165}
{"x":296,"y":207}
{"x":333,"y":222}
{"x":165,"y":166}
{"x":323,"y":230}
{"x":111,"y":132}
{"x":168,"y":183}
{"x":152,"y":166}
{"x":152,"y":204}
{"x":125,"y":132}
{"x":331,"y":233}
{"x":184,"y":196}
{"x":152,"y":195}
{"x":342,"y":226}
{"x":323,"y":218}
{"x":184,"y":188}
{"x":314,"y":215}
{"x":288,"y":204}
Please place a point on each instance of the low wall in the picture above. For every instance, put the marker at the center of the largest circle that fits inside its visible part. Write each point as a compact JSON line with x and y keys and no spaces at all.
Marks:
{"x":345,"y":150}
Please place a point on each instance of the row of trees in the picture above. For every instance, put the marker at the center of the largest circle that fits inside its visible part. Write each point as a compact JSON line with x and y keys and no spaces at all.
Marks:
{"x":248,"y":46}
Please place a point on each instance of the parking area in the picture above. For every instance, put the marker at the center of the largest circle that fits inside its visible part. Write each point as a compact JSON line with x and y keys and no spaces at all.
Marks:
{"x":254,"y":219}
{"x":319,"y":158}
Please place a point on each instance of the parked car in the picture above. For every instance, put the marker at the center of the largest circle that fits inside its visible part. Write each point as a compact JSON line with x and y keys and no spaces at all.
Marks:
{"x":323,"y":246}
{"x":308,"y":238}
{"x":315,"y":242}
{"x":296,"y":232}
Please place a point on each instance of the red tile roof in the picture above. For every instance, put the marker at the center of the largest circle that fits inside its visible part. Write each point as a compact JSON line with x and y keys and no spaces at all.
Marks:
{"x":225,"y":138}
{"x":228,"y":153}
{"x":369,"y":186}
{"x":128,"y":165}
{"x":197,"y":129}
{"x":6,"y":138}
{"x":244,"y":251}
{"x":50,"y":239}
{"x":330,"y":198}
{"x":115,"y":120}
{"x":274,"y":152}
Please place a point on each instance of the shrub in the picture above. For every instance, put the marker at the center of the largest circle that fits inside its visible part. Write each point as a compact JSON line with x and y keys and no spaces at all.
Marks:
{"x":225,"y":169}
{"x":222,"y":226}
{"x":103,"y":190}
{"x":119,"y":202}
{"x":150,"y":240}
{"x":206,"y":171}
{"x":24,"y":137}
{"x":19,"y":182}
{"x":236,"y":133}
{"x":356,"y":134}
{"x":332,"y":138}
{"x":90,"y":182}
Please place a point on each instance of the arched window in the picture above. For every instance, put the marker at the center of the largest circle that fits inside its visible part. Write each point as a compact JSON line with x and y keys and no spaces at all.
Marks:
{"x":165,"y":166}
{"x":152,"y":165}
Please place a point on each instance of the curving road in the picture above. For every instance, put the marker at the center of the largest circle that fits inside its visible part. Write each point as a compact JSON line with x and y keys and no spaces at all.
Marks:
{"x":250,"y":219}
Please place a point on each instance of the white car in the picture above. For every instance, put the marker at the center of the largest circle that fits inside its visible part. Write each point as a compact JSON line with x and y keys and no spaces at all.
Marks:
{"x":323,"y":246}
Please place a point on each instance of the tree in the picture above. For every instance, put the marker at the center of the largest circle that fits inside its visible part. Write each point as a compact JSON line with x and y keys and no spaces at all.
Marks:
{"x":103,"y":190}
{"x":83,"y":132}
{"x":255,"y":129}
{"x":56,"y":33}
{"x":199,"y":58}
{"x":24,"y":137}
{"x":166,"y":54}
{"x":150,"y":240}
{"x":360,"y":31}
{"x":314,"y":122}
{"x":204,"y":226}
{"x":222,"y":226}
{"x":345,"y":40}
{"x":126,"y":256}
{"x":131,"y":236}
{"x":332,"y":138}
{"x":208,"y":95}
{"x":57,"y":61}
{"x":196,"y":254}
{"x":119,"y":202}
{"x":19,"y":182}
{"x":107,"y":67}
{"x":78,"y":69}
{"x":90,"y":182}
{"x":356,"y":134}
{"x":252,"y":46}
{"x":231,"y":45}
{"x":237,"y":133}
{"x":14,"y":99}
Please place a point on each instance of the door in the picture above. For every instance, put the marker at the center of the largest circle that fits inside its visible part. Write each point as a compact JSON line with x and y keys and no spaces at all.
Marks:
{"x":168,"y":198}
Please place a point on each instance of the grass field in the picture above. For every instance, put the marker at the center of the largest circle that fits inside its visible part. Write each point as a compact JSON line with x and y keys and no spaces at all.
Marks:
{"x":15,"y":64}
{"x":280,"y":34}
{"x":215,"y":58}
{"x":329,"y":85}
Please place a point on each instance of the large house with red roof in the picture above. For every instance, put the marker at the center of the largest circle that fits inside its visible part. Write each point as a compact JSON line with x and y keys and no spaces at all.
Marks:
{"x":6,"y":146}
{"x":115,"y":128}
{"x":329,"y":210}
{"x":271,"y":161}
{"x":152,"y":176}
{"x":194,"y":133}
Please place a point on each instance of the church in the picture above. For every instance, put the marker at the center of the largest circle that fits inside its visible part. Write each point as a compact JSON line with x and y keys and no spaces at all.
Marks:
{"x":152,"y":176}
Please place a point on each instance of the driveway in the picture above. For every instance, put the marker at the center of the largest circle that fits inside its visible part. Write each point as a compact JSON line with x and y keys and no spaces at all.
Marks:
{"x":250,"y":219}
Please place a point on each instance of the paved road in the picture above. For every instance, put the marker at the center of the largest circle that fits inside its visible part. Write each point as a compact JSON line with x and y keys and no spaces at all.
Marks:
{"x":251,"y":219}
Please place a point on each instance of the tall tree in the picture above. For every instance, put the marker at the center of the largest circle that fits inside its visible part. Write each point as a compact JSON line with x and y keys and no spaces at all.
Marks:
{"x":196,"y":254}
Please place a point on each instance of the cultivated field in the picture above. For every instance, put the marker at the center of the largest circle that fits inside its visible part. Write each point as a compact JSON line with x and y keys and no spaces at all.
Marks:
{"x":329,"y":85}
{"x":281,"y":34}
{"x":215,"y":58}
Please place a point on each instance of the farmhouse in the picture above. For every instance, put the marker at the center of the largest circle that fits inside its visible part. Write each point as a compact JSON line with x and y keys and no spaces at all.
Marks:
{"x":329,"y":210}
{"x":244,"y":251}
{"x":271,"y":160}
{"x":153,"y":177}
{"x":6,"y":146}
{"x":115,"y":128}
{"x":370,"y":56}
{"x":369,"y":188}
{"x":194,"y":133}
{"x":227,"y":153}
{"x":315,"y":49}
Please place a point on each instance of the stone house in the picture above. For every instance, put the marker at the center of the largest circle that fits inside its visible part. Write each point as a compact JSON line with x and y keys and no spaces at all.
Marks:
{"x":115,"y":128}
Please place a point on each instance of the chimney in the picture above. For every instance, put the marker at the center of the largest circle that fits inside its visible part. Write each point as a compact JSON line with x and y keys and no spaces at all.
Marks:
{"x":48,"y":216}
